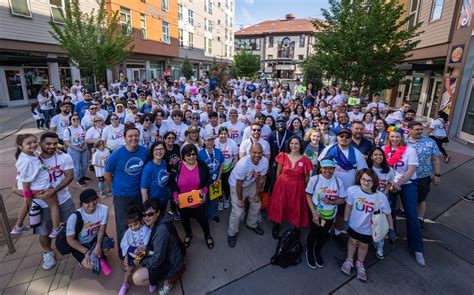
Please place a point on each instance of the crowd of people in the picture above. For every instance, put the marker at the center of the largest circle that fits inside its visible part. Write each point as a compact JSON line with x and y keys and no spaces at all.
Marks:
{"x":169,"y":151}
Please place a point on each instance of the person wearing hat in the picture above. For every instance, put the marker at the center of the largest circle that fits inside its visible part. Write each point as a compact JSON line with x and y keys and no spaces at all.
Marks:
{"x":120,"y":112}
{"x":348,"y":161}
{"x":324,"y":192}
{"x":134,"y":112}
{"x":269,"y":111}
{"x":213,"y":158}
{"x":235,"y":127}
{"x":252,"y":109}
{"x":192,"y":137}
{"x":92,"y":240}
{"x":61,"y":121}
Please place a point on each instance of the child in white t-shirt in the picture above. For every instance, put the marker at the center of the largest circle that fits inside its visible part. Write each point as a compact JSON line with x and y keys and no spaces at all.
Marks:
{"x":33,"y":178}
{"x":37,"y":115}
{"x":133,"y":244}
{"x":99,"y":159}
{"x":362,"y":200}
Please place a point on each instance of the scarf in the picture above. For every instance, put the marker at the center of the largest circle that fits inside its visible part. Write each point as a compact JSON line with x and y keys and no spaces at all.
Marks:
{"x":335,"y":153}
{"x":396,"y":156}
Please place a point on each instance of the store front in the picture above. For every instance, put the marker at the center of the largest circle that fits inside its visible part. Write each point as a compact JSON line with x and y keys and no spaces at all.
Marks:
{"x":467,"y":122}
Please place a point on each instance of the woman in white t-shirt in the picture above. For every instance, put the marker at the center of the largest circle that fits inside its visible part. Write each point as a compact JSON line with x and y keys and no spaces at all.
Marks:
{"x":363,"y":199}
{"x":74,"y":139}
{"x":439,"y":134}
{"x":230,"y":151}
{"x":113,"y":133}
{"x":324,"y":192}
{"x":403,"y":159}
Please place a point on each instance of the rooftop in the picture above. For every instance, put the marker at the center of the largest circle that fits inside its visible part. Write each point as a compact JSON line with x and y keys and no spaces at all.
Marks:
{"x":288,"y":25}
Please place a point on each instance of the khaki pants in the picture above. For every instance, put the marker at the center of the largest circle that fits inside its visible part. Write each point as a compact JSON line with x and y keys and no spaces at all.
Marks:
{"x":254,"y":209}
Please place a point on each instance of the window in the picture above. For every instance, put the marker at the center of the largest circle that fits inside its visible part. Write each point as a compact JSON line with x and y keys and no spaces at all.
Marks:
{"x":225,"y":50}
{"x":230,"y":21}
{"x":166,"y":33}
{"x":300,"y":57}
{"x":226,"y":20}
{"x":270,"y":41}
{"x":413,"y":13}
{"x":286,"y":48}
{"x":205,"y":25}
{"x":56,"y":7}
{"x":218,"y":39}
{"x":226,"y":35}
{"x":164,"y":5}
{"x":218,"y":21}
{"x":180,"y":11}
{"x":302,"y":40}
{"x":210,"y":25}
{"x":209,"y":45}
{"x":205,"y":45}
{"x":251,"y":44}
{"x":191,"y":17}
{"x":20,"y":8}
{"x":437,"y":9}
{"x":191,"y":40}
{"x":181,"y":41}
{"x":270,"y":56}
{"x":209,"y":6}
{"x":126,"y":20}
{"x":143,"y":26}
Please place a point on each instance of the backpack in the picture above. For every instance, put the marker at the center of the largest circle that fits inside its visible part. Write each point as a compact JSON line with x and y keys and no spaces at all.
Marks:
{"x":173,"y":232}
{"x":289,"y":249}
{"x":61,"y":240}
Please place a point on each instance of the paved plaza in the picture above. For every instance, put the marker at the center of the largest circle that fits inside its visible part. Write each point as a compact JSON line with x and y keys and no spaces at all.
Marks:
{"x":246,"y":269}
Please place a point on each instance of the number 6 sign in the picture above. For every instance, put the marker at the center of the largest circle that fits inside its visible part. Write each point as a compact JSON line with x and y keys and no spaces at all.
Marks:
{"x":190,"y":199}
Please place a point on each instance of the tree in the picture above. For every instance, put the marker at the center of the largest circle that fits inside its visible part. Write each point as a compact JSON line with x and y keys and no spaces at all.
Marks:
{"x":187,"y":69}
{"x":246,"y":64}
{"x":361,"y":42}
{"x":93,"y":41}
{"x":312,"y":72}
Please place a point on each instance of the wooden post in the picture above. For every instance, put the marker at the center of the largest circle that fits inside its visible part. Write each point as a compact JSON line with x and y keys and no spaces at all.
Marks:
{"x":6,"y":226}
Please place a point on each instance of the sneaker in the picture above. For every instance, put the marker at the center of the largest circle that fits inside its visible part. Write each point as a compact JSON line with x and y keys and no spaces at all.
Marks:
{"x":446,"y":159}
{"x":361,"y":273}
{"x":310,"y":258}
{"x":259,"y":217}
{"x":420,"y":259}
{"x":220,"y":206}
{"x":152,"y":288}
{"x":165,"y":289}
{"x":319,"y":260}
{"x":226,"y":204}
{"x":109,"y":193}
{"x":347,"y":267}
{"x":232,"y":240}
{"x":48,"y":260}
{"x":85,"y":178}
{"x":176,"y":216}
{"x":379,"y":252}
{"x":400,"y":212}
{"x":20,"y":229}
{"x":81,"y":182}
{"x":91,"y":169}
{"x":54,"y":233}
{"x":102,"y":195}
{"x":124,"y":288}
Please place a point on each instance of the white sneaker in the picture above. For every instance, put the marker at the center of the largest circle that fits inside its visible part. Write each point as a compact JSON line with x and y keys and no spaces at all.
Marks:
{"x":259,"y":217}
{"x":165,"y":289}
{"x":379,"y":252}
{"x":48,"y":260}
{"x":20,"y":229}
{"x":54,"y":233}
{"x":220,"y":206}
{"x":420,"y":259}
{"x":226,"y":204}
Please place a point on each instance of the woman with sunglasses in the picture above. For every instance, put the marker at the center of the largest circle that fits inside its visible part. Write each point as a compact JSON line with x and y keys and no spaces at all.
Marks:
{"x":192,"y":137}
{"x":109,"y":105}
{"x":192,"y":174}
{"x":74,"y":140}
{"x":113,"y":133}
{"x":94,"y":133}
{"x":146,"y":136}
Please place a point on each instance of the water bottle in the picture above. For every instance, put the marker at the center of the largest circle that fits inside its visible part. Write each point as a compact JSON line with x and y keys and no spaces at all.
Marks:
{"x":35,"y":215}
{"x":105,"y":267}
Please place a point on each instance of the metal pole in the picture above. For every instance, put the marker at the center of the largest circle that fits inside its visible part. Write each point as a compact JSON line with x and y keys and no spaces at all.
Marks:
{"x":6,"y":226}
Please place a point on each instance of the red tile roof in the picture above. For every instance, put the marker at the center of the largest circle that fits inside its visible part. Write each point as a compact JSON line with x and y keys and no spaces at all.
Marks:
{"x":278,"y":27}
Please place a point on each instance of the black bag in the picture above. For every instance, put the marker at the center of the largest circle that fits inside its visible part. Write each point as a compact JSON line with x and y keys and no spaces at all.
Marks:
{"x":289,"y":249}
{"x":61,"y":240}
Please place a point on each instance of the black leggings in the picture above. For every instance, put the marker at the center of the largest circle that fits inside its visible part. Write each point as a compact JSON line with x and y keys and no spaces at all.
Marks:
{"x":439,"y":142}
{"x":40,"y":123}
{"x":200,"y":214}
{"x":318,"y":235}
{"x":225,"y":185}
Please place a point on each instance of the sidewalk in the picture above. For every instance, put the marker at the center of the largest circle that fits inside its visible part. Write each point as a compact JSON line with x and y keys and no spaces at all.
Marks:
{"x":245,"y":269}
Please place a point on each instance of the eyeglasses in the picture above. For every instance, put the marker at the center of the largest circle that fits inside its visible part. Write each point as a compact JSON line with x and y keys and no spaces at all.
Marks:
{"x":191,"y":155}
{"x":93,"y":109}
{"x":324,"y":123}
{"x":95,"y":121}
{"x":195,"y":118}
{"x":366,"y":180}
{"x":158,"y":149}
{"x":147,"y":120}
{"x":345,"y":135}
{"x":75,"y":119}
{"x":114,"y":119}
{"x":257,"y":130}
{"x":150,"y":214}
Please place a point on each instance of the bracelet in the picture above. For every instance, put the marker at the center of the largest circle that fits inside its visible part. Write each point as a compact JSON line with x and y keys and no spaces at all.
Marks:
{"x":27,"y":194}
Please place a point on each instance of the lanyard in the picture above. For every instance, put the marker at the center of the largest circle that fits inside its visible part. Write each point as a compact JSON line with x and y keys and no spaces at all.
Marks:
{"x":282,"y":140}
{"x":210,"y":156}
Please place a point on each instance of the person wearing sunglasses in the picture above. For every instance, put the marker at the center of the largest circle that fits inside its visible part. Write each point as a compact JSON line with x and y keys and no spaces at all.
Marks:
{"x":146,"y":136}
{"x":328,"y":137}
{"x":256,"y":129}
{"x":88,"y":119}
{"x":348,"y":161}
{"x":74,"y":140}
{"x":113,"y":133}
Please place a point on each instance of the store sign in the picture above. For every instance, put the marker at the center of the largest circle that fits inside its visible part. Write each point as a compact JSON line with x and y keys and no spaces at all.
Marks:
{"x":456,"y":54}
{"x":465,"y":17}
{"x":285,"y":67}
{"x":448,"y":94}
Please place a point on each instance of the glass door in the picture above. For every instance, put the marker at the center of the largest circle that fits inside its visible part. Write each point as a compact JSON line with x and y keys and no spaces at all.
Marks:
{"x":467,"y":129}
{"x":15,"y":85}
{"x":432,"y":99}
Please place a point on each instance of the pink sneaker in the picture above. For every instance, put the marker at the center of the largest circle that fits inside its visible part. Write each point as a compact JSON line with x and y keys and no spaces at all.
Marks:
{"x":152,"y":288}
{"x":361,"y":273}
{"x":347,"y":267}
{"x":124,"y":288}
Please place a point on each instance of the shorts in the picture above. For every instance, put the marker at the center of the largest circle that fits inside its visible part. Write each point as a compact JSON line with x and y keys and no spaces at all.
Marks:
{"x":65,"y":210}
{"x":107,"y":243}
{"x":366,"y":239}
{"x":423,"y":186}
{"x":101,"y":178}
{"x":130,"y":260}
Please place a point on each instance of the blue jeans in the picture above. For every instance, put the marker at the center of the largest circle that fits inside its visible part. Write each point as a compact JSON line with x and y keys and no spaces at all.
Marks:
{"x":409,"y":196}
{"x":80,"y":160}
{"x":211,"y":207}
{"x":48,"y":114}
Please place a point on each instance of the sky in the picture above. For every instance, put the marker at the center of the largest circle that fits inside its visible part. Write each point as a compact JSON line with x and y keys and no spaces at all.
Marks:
{"x":250,"y":12}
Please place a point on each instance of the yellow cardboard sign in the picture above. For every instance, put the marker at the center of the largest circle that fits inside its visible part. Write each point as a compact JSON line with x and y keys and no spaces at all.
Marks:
{"x":215,"y":191}
{"x":190,"y":199}
{"x":353,"y":101}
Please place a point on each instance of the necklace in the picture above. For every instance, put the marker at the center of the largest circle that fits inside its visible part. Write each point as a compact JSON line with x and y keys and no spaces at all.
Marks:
{"x":394,"y":156}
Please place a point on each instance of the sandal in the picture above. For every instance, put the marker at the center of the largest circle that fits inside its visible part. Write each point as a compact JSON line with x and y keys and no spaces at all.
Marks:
{"x":210,"y":242}
{"x":187,"y":240}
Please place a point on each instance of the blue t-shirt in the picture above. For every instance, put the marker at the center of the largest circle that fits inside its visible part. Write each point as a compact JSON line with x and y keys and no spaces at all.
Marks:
{"x":249,"y":89}
{"x":81,"y":107}
{"x":126,"y":168}
{"x":213,"y":161}
{"x":155,"y":179}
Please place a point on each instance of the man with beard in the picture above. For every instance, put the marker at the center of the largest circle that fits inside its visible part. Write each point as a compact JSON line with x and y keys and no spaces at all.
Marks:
{"x":358,"y":141}
{"x":61,"y":172}
{"x":61,"y":121}
{"x":277,"y":140}
{"x":408,"y":117}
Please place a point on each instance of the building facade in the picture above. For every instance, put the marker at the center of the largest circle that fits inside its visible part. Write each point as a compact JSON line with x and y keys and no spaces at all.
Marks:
{"x":205,"y":34}
{"x":281,"y":44}
{"x":29,"y":55}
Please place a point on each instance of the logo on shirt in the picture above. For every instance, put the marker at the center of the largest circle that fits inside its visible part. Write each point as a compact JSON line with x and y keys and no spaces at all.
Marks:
{"x":133,"y":166}
{"x":162,"y":178}
{"x":55,"y":172}
{"x":364,"y":205}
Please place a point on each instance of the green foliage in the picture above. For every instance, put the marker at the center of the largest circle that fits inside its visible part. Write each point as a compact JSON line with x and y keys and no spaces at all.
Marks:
{"x":187,"y":69}
{"x":362,"y":41}
{"x":93,"y":41}
{"x":312,"y":72}
{"x":246,"y":64}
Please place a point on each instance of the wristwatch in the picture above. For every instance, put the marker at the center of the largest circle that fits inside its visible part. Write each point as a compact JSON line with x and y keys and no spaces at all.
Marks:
{"x":436,"y":174}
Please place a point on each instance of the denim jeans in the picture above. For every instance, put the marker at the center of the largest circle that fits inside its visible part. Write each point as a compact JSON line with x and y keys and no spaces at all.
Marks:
{"x":80,"y":160}
{"x":211,"y":207}
{"x":48,"y":114}
{"x":409,"y":196}
{"x":121,"y":206}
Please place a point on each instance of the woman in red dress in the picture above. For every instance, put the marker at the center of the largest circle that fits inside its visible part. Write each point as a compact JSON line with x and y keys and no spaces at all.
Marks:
{"x":288,"y":201}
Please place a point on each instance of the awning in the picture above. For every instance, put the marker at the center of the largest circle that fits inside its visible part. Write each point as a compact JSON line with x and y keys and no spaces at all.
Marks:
{"x":420,"y":67}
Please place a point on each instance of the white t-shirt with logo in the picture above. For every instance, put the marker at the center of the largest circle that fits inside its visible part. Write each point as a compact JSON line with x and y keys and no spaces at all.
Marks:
{"x":76,"y":135}
{"x":384,"y":178}
{"x":94,"y":133}
{"x":229,"y":149}
{"x":60,"y":122}
{"x":246,"y":144}
{"x":92,"y":223}
{"x":409,"y":158}
{"x":31,"y":169}
{"x":363,"y":204}
{"x":247,"y":171}
{"x":439,"y":129}
{"x":321,"y":188}
{"x":179,"y":130}
{"x":100,"y":158}
{"x":113,"y":136}
{"x":236,"y":131}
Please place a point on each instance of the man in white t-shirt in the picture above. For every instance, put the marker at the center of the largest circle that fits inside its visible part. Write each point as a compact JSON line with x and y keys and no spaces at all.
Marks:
{"x":61,"y":121}
{"x":376,"y":103}
{"x":256,"y":130}
{"x":246,"y":182}
{"x":61,"y":172}
{"x":235,"y":127}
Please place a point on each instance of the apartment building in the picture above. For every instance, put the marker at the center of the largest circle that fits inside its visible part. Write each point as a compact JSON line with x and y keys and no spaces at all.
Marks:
{"x":438,"y":74}
{"x":154,"y":27}
{"x":205,"y":34}
{"x":29,"y":55}
{"x":281,"y":44}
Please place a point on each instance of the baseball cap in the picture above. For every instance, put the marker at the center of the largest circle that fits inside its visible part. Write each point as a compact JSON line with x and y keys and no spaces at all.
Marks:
{"x":344,"y":130}
{"x":207,"y":135}
{"x":87,"y":195}
{"x":327,"y":163}
{"x":280,"y":119}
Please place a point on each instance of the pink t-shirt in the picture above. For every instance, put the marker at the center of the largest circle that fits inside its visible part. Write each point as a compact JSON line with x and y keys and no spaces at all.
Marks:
{"x":189,"y":180}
